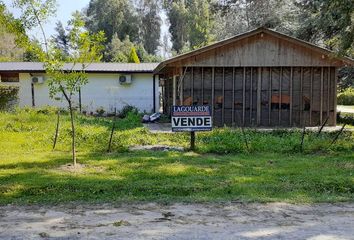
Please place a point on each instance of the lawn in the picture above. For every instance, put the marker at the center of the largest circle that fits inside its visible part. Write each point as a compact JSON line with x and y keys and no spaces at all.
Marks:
{"x":271,"y":168}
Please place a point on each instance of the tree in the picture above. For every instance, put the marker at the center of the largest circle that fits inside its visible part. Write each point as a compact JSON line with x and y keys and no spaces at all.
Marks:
{"x":237,"y":16}
{"x":201,"y":23}
{"x":329,"y":22}
{"x":133,"y":57}
{"x":85,"y":48}
{"x":191,"y":23}
{"x":178,"y":15}
{"x":150,"y":24}
{"x":61,"y":39}
{"x":113,"y":17}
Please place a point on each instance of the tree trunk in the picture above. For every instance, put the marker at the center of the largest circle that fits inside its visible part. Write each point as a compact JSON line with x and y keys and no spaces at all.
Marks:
{"x":72,"y":133}
{"x":56,"y":130}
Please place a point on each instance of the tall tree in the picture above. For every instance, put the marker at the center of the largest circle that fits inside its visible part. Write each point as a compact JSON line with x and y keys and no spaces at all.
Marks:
{"x":328,"y":22}
{"x":201,"y":23}
{"x":178,"y":17}
{"x":237,"y":16}
{"x":61,"y":39}
{"x":113,"y":17}
{"x":149,"y":12}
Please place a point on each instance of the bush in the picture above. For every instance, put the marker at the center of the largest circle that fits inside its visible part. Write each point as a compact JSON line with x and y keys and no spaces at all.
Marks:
{"x":346,"y":97}
{"x":8,"y":97}
{"x":126,"y":110}
{"x":347,"y":118}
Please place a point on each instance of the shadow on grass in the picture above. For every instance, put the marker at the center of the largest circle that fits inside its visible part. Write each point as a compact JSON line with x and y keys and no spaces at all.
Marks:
{"x":172,"y":176}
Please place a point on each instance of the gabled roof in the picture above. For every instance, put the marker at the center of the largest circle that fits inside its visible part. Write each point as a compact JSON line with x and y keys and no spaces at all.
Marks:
{"x":299,"y":42}
{"x":92,"y":68}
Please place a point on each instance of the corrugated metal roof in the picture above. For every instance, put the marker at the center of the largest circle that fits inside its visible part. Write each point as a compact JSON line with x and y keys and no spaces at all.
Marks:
{"x":93,"y":67}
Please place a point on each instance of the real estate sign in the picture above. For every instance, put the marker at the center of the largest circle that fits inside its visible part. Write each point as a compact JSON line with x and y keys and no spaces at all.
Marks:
{"x":191,"y":118}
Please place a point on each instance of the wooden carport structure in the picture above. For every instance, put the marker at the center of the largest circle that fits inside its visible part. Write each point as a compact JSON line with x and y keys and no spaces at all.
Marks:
{"x":258,"y":78}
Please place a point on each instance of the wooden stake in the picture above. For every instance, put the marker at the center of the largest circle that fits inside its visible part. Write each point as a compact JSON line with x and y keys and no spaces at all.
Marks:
{"x":339,"y":133}
{"x":302,"y":139}
{"x":112,"y":132}
{"x":192,"y":148}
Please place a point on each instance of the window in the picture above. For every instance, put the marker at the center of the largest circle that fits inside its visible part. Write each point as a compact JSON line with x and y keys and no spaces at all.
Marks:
{"x":9,"y":77}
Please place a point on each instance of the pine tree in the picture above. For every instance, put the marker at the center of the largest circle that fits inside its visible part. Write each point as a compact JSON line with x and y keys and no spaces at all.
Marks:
{"x":133,"y":57}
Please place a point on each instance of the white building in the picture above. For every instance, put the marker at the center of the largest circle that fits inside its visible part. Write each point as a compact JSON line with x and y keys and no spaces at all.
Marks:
{"x":111,"y":86}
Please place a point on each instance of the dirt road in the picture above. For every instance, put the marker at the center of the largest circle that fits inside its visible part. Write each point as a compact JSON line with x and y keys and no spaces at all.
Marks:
{"x":193,"y":221}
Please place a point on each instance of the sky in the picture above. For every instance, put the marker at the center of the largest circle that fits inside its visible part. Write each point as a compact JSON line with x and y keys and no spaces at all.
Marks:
{"x":64,"y":10}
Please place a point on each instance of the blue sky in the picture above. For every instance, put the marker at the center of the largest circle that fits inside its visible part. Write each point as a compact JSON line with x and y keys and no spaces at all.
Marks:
{"x":64,"y":10}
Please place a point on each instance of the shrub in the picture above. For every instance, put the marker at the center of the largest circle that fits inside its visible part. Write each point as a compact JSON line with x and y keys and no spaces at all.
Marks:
{"x":8,"y":97}
{"x":126,"y":110}
{"x":347,"y":118}
{"x":346,"y":97}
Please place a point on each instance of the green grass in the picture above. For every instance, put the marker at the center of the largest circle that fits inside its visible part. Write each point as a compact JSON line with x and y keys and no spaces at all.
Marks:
{"x":271,"y":169}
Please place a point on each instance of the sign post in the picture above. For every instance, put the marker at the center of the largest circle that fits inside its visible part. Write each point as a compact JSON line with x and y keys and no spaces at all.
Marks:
{"x":191,"y":119}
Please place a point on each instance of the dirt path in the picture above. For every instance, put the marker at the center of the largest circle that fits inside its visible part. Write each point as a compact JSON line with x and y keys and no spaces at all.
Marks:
{"x":194,"y":221}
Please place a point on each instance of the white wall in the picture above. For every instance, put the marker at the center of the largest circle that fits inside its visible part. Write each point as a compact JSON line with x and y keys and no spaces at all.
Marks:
{"x":102,"y":91}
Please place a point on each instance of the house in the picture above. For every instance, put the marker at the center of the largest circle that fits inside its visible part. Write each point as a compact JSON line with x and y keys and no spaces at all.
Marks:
{"x":110,"y":86}
{"x":258,"y":78}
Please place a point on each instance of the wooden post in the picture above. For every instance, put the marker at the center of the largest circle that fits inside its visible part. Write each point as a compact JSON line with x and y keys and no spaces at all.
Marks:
{"x":270,"y":97}
{"x":328,"y":87}
{"x":302,"y":139}
{"x":202,"y":69}
{"x":112,"y":131}
{"x":311,"y":100}
{"x":192,"y":85}
{"x":251,"y":97}
{"x":192,"y":147}
{"x":302,"y":123}
{"x":321,"y":96}
{"x":233,"y":97}
{"x":259,"y":96}
{"x":280,"y":93}
{"x":223,"y":97}
{"x":174,"y":90}
{"x":291,"y":97}
{"x":212,"y":91}
{"x":335,"y":96}
{"x":243,"y":96}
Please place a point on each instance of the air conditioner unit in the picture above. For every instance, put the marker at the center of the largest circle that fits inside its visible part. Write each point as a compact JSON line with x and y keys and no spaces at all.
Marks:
{"x":37,"y":80}
{"x":125,"y":79}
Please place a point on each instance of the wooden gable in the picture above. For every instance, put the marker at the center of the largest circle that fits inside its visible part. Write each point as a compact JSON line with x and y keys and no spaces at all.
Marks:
{"x":259,"y":48}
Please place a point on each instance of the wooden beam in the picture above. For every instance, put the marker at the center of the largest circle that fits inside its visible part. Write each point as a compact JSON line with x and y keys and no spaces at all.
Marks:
{"x":291,"y":97}
{"x":259,"y":89}
{"x":311,"y":100}
{"x":223,"y":97}
{"x":280,"y":92}
{"x":202,"y":69}
{"x":192,"y":87}
{"x":251,"y":96}
{"x":321,"y":97}
{"x":270,"y":96}
{"x":233,"y":98}
{"x":174,"y":89}
{"x":335,"y":96}
{"x":212,"y":91}
{"x":328,"y":90}
{"x":302,"y":123}
{"x":244,"y":96}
